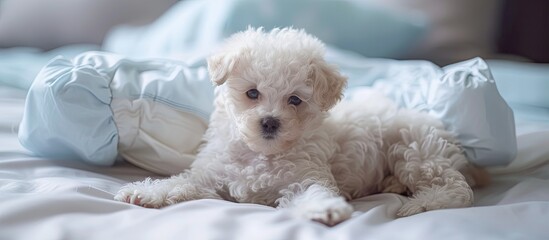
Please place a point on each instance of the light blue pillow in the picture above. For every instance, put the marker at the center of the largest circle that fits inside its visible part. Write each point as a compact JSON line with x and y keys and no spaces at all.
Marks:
{"x":68,"y":115}
{"x":356,"y":26}
{"x":99,"y":105}
{"x":463,"y":96}
{"x":194,"y":28}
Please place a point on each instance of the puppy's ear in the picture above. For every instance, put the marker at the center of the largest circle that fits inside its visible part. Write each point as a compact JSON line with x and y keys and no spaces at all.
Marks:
{"x":220,"y":65}
{"x":328,"y":83}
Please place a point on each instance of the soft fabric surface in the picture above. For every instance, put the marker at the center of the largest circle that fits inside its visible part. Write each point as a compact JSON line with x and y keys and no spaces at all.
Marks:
{"x":193,"y":28}
{"x":522,"y":82}
{"x":44,"y":198}
{"x":98,"y":106}
{"x":19,"y":65}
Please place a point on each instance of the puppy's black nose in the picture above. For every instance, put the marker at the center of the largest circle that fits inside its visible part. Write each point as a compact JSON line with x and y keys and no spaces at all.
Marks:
{"x":269,"y":125}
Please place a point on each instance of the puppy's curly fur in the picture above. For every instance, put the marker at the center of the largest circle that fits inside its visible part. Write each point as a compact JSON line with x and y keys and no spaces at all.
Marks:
{"x":275,"y":138}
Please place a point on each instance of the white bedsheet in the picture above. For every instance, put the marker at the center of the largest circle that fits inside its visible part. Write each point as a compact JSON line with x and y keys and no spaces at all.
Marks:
{"x":53,"y":199}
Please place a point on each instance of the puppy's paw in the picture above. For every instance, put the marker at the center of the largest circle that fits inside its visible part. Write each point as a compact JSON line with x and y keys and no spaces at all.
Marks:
{"x":410,"y":208}
{"x":437,"y":197}
{"x":142,"y":194}
{"x":330,"y":211}
{"x":183,"y":193}
{"x":140,"y":198}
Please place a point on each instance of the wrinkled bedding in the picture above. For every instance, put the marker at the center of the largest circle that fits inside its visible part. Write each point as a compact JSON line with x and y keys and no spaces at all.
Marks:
{"x":48,"y":198}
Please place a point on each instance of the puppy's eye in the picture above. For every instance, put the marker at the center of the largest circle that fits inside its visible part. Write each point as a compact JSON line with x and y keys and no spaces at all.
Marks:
{"x":252,"y":94}
{"x":294,"y":100}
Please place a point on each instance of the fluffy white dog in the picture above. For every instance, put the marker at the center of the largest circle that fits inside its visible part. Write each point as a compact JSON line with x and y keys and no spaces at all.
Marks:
{"x":274,"y":139}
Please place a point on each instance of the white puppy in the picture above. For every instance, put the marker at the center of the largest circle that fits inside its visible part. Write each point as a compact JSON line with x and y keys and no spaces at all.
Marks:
{"x":272,"y":141}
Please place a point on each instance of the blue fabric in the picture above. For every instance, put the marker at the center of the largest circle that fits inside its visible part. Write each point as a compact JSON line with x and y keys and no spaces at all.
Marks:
{"x":68,"y":113}
{"x":183,"y":86}
{"x":19,"y":66}
{"x":193,"y":28}
{"x":463,"y":96}
{"x":521,"y":82}
{"x":351,"y":25}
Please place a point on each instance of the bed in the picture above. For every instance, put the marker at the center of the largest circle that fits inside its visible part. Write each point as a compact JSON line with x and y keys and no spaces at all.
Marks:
{"x":51,"y":198}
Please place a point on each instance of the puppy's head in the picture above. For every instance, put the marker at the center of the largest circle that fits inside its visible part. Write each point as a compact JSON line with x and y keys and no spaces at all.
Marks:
{"x":277,"y":86}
